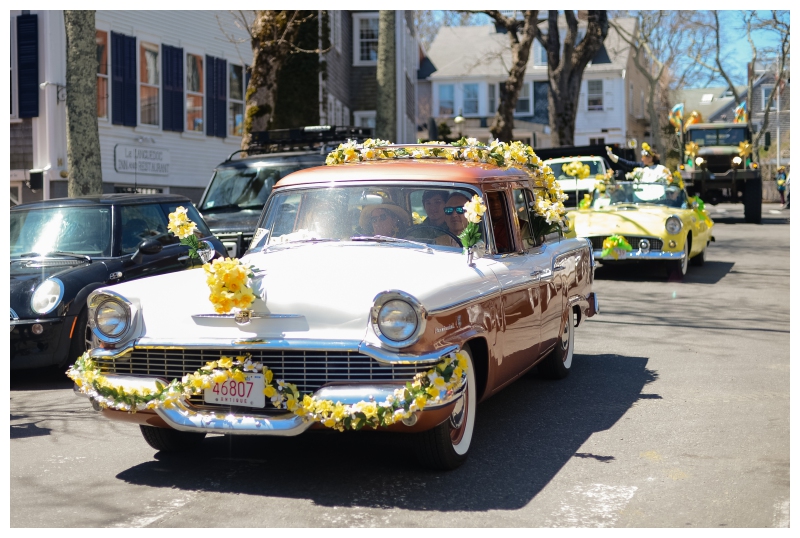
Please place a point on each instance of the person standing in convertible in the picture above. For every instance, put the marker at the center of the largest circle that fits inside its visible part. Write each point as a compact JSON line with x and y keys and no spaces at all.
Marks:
{"x":652,"y":169}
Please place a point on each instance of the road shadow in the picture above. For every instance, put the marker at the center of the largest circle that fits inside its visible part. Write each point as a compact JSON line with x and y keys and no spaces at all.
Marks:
{"x":28,"y":429}
{"x":710,"y":272}
{"x":523,"y":437}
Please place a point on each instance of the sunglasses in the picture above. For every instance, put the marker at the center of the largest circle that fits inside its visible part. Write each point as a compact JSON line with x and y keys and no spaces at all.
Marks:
{"x":380,"y":218}
{"x":459,"y":209}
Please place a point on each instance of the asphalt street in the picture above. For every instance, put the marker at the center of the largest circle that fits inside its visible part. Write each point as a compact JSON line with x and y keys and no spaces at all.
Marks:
{"x":676,"y":414}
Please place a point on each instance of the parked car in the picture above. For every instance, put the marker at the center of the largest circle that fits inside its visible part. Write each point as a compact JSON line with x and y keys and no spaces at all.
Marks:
{"x":239,"y":187}
{"x":63,"y":249}
{"x":660,"y":222}
{"x":354,"y":306}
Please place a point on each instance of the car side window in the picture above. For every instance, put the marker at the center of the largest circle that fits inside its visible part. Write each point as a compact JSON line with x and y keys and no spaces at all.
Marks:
{"x":498,"y":211}
{"x":523,"y":199}
{"x":140,"y":222}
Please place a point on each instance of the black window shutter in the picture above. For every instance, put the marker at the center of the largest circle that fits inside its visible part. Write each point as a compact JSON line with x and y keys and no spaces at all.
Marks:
{"x":221,"y":97}
{"x":211,"y":103}
{"x":123,"y":79}
{"x":172,"y":73}
{"x":28,"y":66}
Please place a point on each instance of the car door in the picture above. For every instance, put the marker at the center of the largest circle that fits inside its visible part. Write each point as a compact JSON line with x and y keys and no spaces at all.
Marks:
{"x":142,"y":221}
{"x":520,"y":336}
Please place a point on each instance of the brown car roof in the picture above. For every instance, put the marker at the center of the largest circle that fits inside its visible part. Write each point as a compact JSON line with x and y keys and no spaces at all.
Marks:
{"x":403,"y":169}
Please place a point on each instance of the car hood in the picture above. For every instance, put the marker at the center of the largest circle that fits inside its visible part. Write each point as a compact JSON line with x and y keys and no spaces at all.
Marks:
{"x":26,"y":275}
{"x":244,"y":220}
{"x":322,"y":291}
{"x":633,"y":220}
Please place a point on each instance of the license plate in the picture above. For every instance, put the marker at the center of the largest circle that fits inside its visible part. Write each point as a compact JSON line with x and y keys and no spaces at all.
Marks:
{"x":247,"y":393}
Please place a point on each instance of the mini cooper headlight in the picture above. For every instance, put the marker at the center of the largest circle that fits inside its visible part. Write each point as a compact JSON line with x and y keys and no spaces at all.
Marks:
{"x":397,"y":320}
{"x":112,"y":318}
{"x":47,"y":296}
{"x":673,"y":225}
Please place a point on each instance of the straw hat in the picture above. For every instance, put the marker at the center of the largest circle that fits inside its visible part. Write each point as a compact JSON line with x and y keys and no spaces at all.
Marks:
{"x":399,"y":212}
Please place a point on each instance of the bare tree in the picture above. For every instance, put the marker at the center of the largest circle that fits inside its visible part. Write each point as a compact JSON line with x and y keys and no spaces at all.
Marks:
{"x":83,"y":140}
{"x":521,"y":34}
{"x":778,"y":25}
{"x":273,"y":38}
{"x":663,"y":45}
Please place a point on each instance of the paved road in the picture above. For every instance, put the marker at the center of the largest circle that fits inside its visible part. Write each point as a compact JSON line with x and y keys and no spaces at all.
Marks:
{"x":676,"y":414}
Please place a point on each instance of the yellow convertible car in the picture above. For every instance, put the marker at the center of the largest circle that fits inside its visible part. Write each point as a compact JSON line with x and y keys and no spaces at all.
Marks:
{"x":629,"y":220}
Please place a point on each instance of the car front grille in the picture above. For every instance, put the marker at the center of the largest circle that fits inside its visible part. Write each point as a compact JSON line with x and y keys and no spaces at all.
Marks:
{"x":655,"y":244}
{"x":309,"y":370}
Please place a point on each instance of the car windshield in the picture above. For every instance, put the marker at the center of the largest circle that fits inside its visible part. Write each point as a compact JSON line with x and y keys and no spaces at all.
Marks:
{"x":420,"y":213}
{"x":61,"y":230}
{"x":730,"y":136}
{"x":244,"y":188}
{"x":627,"y":192}
{"x":595,"y":167}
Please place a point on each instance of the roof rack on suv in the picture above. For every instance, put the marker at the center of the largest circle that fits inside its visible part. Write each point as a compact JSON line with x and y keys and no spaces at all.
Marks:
{"x":309,"y":137}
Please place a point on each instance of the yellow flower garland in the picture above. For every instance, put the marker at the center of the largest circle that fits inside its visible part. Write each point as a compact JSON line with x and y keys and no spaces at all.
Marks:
{"x":515,"y":154}
{"x":431,"y":386}
{"x":576,"y":169}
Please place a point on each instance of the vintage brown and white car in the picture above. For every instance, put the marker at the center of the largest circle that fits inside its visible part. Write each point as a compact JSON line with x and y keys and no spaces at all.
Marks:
{"x":358,"y":299}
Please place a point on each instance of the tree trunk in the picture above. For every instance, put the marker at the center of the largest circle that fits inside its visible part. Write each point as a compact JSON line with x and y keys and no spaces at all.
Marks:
{"x":386,"y":105}
{"x":521,"y":39}
{"x":83,"y":140}
{"x":565,"y":70}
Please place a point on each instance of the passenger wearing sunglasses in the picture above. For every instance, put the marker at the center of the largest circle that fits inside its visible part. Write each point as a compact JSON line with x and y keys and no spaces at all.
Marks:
{"x":455,"y":217}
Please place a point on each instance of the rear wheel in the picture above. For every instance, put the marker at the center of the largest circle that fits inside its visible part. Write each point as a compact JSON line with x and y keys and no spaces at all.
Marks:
{"x":558,"y":363}
{"x":169,"y":440}
{"x":445,"y":447}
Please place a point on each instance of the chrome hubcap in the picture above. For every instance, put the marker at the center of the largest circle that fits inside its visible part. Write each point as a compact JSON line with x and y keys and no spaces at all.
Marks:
{"x":457,"y":416}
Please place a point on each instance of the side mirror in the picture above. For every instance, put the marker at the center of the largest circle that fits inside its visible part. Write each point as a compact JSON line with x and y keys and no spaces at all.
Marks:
{"x":151,"y":245}
{"x":767,"y":140}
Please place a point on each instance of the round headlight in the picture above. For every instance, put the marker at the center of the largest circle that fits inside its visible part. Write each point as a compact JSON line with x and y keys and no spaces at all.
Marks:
{"x":397,"y":320}
{"x":674,"y":225}
{"x":111,"y":318}
{"x":47,"y":296}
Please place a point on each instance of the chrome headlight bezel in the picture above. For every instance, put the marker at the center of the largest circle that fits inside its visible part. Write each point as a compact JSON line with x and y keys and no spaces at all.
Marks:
{"x":675,"y":221}
{"x":58,"y":293}
{"x":395,"y":295}
{"x":99,"y":298}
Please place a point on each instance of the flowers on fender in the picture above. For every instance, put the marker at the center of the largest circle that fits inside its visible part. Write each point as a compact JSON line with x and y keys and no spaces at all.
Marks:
{"x":229,"y":282}
{"x":180,"y":224}
{"x":474,"y":211}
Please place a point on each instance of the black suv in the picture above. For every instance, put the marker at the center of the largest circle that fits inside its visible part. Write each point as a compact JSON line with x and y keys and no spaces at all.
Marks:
{"x":65,"y":248}
{"x":238,"y":190}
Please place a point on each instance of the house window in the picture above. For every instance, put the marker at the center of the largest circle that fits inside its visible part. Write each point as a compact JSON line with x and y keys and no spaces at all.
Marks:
{"x":365,"y":38}
{"x":149,"y":81}
{"x":13,"y":69}
{"x":597,"y":141}
{"x":594,"y":94}
{"x":446,"y":100}
{"x":102,"y":74}
{"x":492,"y":98}
{"x":539,"y":54}
{"x":765,"y":91}
{"x":194,"y":93}
{"x":336,"y":29}
{"x":470,"y":99}
{"x":641,"y":104}
{"x":524,"y":100}
{"x":236,"y":99}
{"x":541,"y":111}
{"x":364,"y":118}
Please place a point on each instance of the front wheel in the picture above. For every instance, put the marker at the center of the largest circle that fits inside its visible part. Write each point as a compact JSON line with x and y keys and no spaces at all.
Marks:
{"x":169,"y":440}
{"x":445,"y":447}
{"x":679,"y":268}
{"x":558,"y":363}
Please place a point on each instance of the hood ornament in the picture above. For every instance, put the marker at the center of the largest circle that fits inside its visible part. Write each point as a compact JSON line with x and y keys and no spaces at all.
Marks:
{"x":242,"y":317}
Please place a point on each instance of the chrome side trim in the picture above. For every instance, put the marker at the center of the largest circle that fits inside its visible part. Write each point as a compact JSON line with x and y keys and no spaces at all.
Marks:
{"x":639,"y":255}
{"x":32,"y":321}
{"x":379,"y":354}
{"x":451,"y":306}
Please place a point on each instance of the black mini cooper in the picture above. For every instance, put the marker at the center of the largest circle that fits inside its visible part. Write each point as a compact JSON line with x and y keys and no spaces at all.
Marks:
{"x":63,"y":249}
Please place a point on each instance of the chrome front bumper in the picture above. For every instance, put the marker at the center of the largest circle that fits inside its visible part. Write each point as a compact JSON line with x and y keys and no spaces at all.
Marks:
{"x":639,"y":255}
{"x":257,"y":422}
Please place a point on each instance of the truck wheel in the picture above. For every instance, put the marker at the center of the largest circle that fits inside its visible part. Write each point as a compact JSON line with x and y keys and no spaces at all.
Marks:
{"x":752,"y":201}
{"x":445,"y":447}
{"x":169,"y":440}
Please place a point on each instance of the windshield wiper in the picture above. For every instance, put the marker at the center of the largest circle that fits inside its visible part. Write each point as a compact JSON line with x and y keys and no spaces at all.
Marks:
{"x":224,"y":207}
{"x":385,"y":239}
{"x":55,"y":253}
